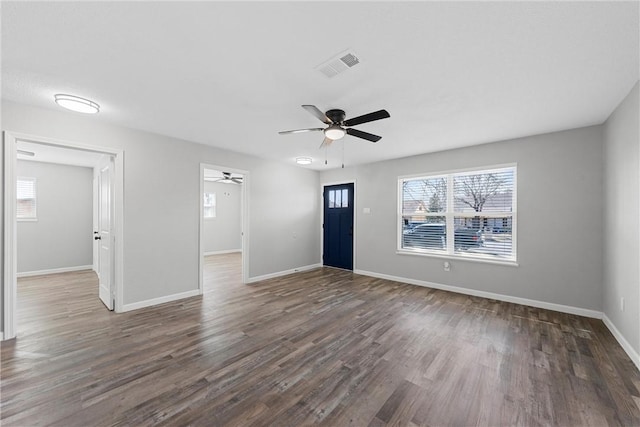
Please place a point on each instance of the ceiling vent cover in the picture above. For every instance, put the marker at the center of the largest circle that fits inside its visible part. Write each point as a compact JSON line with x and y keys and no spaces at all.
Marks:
{"x":339,"y":64}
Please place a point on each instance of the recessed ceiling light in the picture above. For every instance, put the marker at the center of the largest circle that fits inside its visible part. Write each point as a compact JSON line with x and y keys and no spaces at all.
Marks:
{"x":304,"y":160}
{"x":75,"y":103}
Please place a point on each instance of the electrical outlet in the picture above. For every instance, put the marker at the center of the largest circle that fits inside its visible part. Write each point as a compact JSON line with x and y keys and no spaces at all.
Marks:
{"x":447,"y":266}
{"x":621,"y":303}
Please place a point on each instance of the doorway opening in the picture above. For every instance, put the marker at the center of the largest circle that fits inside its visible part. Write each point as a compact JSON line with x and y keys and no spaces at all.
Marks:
{"x":223,"y":256}
{"x":338,"y":225}
{"x":64,"y":202}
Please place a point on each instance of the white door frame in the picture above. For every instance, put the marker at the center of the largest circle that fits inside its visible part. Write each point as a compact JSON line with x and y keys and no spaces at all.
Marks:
{"x":244,"y":220}
{"x":10,"y":221}
{"x":355,"y":217}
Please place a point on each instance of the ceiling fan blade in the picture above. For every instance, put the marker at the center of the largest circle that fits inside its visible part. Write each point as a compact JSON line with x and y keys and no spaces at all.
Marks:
{"x":376,"y":115}
{"x":364,"y":135}
{"x":284,"y":132}
{"x":237,"y":180}
{"x":327,"y":142}
{"x":316,"y":112}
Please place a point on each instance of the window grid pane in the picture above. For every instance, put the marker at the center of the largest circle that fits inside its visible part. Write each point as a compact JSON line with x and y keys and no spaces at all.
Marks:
{"x":484,"y":191}
{"x":424,"y":195}
{"x":431,"y":234}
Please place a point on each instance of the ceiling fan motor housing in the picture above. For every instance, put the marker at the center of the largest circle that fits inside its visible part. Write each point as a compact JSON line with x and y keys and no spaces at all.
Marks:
{"x":336,"y":116}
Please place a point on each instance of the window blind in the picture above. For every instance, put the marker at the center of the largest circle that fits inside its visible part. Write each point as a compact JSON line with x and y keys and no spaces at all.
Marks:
{"x":26,"y":195}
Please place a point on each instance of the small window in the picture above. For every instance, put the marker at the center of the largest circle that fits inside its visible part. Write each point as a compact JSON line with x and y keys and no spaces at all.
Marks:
{"x":26,"y":192}
{"x":338,"y":198}
{"x":209,"y":205}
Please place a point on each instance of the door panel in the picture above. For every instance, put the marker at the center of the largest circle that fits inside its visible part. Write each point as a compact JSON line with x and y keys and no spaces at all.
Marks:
{"x":96,"y":220}
{"x":105,"y":229}
{"x":338,"y":226}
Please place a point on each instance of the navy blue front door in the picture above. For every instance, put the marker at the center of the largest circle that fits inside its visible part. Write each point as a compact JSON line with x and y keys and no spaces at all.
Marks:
{"x":338,"y":226}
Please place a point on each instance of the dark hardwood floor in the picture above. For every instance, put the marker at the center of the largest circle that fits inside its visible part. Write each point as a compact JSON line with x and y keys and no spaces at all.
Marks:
{"x":321,"y":347}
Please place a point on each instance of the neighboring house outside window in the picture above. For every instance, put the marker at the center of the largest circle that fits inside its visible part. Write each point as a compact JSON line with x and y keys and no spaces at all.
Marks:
{"x":26,"y":195}
{"x":209,"y":205}
{"x":467,"y":214}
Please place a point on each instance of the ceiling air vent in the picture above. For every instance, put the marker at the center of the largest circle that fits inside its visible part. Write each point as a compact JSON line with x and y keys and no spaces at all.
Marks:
{"x":338,"y":64}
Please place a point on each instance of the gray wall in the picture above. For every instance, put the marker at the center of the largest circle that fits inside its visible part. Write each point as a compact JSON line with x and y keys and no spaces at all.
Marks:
{"x":559,"y":218}
{"x":162,"y":210}
{"x":622,"y":217}
{"x":223,"y":232}
{"x":62,"y":235}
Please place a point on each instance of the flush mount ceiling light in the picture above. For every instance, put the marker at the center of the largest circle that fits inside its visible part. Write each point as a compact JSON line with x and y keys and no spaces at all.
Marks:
{"x":77,"y":104}
{"x":304,"y":160}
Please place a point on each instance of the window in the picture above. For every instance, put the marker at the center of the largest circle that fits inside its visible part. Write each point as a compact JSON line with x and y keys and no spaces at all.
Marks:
{"x":209,"y":205}
{"x":26,"y":192}
{"x":470,"y":214}
{"x":338,"y":198}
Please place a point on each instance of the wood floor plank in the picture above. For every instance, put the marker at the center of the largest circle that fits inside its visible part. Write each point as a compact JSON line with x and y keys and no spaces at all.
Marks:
{"x":322,"y":347}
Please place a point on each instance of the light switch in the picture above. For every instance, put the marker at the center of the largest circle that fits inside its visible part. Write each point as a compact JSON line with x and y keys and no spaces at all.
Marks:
{"x":366,"y":211}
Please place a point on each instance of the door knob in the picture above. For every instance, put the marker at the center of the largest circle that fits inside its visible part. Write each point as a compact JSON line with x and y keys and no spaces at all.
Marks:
{"x":97,"y":237}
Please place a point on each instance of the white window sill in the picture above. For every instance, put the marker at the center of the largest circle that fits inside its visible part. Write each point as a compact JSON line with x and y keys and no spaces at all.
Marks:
{"x":458,"y":257}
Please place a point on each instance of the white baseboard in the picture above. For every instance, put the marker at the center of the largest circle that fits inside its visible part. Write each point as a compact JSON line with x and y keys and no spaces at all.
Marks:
{"x":160,"y":300}
{"x":228,"y":251}
{"x":633,"y":355}
{"x":54,"y":271}
{"x":1,"y":336}
{"x":500,"y":297}
{"x":282,"y":273}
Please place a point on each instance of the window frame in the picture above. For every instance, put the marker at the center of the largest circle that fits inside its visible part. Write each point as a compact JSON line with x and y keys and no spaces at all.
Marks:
{"x":33,"y":218}
{"x":450,"y":214}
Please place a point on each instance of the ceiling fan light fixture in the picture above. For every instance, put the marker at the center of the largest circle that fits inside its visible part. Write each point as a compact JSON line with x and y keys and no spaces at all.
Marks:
{"x":334,"y":132}
{"x":77,"y":104}
{"x":304,"y":160}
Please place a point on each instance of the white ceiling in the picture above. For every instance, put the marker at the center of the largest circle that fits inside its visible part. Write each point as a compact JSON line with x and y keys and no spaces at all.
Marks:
{"x":232,"y":75}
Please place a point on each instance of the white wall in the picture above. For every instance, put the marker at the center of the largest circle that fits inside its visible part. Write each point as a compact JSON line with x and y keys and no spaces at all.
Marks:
{"x":223,"y":233}
{"x":622,"y":218}
{"x":162,"y":210}
{"x":62,"y":235}
{"x":559,"y":218}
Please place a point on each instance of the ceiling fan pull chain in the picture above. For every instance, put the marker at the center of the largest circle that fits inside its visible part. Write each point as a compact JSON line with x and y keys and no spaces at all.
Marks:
{"x":343,"y":154}
{"x":325,"y":154}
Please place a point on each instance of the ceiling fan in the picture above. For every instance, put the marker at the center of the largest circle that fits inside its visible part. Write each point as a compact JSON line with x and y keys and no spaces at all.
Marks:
{"x":227,"y":178}
{"x":338,"y":127}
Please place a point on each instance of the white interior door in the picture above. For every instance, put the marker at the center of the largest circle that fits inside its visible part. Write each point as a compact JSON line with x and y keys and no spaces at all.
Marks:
{"x":105,"y":231}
